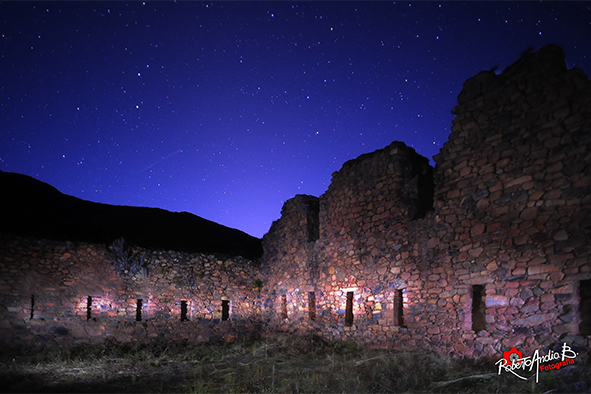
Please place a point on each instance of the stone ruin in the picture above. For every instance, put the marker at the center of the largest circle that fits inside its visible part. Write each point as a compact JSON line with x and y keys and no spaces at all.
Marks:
{"x":487,"y":251}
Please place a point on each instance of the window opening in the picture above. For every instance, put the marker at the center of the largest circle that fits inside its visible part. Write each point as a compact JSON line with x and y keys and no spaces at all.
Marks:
{"x":478,"y":307}
{"x":32,"y":307}
{"x":585,"y":307}
{"x":184,"y":310}
{"x":313,"y":219}
{"x":422,"y":190}
{"x":349,"y":309}
{"x":312,"y":305}
{"x":284,"y":307}
{"x":398,"y":309}
{"x":138,"y":310}
{"x":89,"y":308}
{"x":225,"y":309}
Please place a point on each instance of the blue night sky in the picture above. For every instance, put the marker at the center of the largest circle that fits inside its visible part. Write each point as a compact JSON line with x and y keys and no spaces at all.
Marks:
{"x":226,"y":110}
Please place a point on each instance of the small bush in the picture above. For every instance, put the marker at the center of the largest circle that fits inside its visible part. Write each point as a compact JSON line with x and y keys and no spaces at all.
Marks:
{"x":124,"y":262}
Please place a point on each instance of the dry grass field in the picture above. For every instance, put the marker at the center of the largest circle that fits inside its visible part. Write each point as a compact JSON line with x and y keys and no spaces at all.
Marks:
{"x":273,"y":365}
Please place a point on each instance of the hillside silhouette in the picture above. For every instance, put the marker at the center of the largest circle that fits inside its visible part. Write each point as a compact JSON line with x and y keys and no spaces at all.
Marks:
{"x":33,"y":208}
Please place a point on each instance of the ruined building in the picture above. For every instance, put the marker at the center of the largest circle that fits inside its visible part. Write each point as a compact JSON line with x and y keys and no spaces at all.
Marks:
{"x":487,"y":251}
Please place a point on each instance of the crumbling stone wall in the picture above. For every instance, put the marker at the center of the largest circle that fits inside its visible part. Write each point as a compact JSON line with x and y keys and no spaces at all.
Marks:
{"x":290,"y":265}
{"x":62,"y":293}
{"x":503,"y":258}
{"x":364,"y":227}
{"x":363,"y":249}
{"x":487,"y":251}
{"x":513,"y":189}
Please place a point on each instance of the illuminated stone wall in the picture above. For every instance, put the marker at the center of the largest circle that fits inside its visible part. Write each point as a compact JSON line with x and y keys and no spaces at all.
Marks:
{"x":364,"y":243}
{"x":487,"y":251}
{"x":513,"y":187}
{"x":289,"y":269}
{"x":502,"y":260}
{"x":63,"y":293}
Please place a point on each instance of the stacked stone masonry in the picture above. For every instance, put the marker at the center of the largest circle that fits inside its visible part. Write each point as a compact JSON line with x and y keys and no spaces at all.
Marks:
{"x":487,"y":251}
{"x":502,"y":259}
{"x":62,"y":293}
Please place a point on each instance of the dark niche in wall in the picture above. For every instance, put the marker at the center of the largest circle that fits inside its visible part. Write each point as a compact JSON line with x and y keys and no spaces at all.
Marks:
{"x":32,"y":308}
{"x":309,"y":207}
{"x":398,"y":309}
{"x":422,"y":191}
{"x":225,"y":309}
{"x":138,"y":310}
{"x":312,"y":305}
{"x":89,"y":308}
{"x":478,"y":308}
{"x":313,"y":218}
{"x":349,"y":309}
{"x":184,"y":311}
{"x":283,"y":307}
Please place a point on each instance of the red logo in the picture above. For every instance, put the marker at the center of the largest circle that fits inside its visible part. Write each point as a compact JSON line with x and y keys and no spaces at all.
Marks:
{"x":512,"y":356}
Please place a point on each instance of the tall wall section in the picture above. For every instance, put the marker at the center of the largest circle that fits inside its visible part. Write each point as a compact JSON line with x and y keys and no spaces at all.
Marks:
{"x":66,"y":293}
{"x":363,"y":222}
{"x":364,"y":234}
{"x":290,"y":268}
{"x":513,"y":198}
{"x":503,"y":258}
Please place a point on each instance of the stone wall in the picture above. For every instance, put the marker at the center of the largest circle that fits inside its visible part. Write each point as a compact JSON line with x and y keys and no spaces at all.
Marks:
{"x":513,"y":189}
{"x":364,"y":218}
{"x":64,"y":293}
{"x":364,"y":248}
{"x":290,"y":266}
{"x":502,"y":260}
{"x":487,"y":251}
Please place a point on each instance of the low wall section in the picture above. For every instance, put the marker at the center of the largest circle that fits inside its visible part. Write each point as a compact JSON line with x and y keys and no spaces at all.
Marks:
{"x":63,"y":293}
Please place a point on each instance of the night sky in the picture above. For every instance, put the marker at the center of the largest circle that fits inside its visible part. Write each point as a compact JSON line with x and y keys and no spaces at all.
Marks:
{"x":226,"y":110}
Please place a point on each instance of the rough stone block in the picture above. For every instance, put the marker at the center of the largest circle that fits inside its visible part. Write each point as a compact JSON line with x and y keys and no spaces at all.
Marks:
{"x":496,"y":300}
{"x":517,"y":181}
{"x":541,"y":269}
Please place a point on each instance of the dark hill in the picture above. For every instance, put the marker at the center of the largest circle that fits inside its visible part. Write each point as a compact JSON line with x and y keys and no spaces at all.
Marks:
{"x":32,"y":208}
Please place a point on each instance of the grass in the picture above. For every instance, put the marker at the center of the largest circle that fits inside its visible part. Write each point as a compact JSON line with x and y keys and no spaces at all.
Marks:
{"x":272,"y":365}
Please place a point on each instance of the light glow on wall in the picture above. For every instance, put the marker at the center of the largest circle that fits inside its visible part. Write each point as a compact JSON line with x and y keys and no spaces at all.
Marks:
{"x":99,"y":306}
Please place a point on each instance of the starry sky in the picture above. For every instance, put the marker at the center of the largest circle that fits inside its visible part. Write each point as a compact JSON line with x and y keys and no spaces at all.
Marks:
{"x":226,"y":110}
